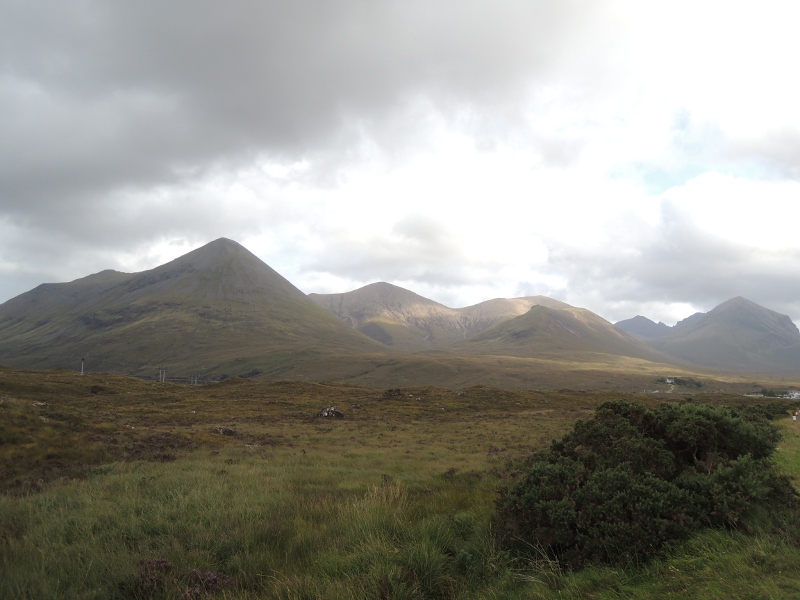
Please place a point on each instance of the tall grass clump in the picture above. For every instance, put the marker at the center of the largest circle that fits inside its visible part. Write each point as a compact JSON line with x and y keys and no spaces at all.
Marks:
{"x":247,"y":530}
{"x":623,"y":486}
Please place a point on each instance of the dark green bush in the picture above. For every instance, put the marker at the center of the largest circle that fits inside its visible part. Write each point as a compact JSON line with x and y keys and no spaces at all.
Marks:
{"x":620,"y":487}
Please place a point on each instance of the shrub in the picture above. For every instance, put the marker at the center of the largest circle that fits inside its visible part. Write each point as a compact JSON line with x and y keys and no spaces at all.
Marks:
{"x":620,"y":487}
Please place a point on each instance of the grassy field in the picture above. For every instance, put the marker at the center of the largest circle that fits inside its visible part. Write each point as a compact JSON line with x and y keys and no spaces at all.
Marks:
{"x":118,"y":488}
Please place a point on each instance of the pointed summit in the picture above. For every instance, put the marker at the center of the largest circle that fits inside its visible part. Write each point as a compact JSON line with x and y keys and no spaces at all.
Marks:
{"x":737,"y":335}
{"x":215,"y":308}
{"x":220,"y":270}
{"x":643,"y":328}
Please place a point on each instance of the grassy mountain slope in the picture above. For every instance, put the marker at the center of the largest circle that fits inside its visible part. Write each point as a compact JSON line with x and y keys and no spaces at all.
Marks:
{"x":393,"y":316}
{"x":409,"y":322}
{"x":221,"y":310}
{"x":737,"y":334}
{"x":215,"y":309}
{"x":544,"y":331}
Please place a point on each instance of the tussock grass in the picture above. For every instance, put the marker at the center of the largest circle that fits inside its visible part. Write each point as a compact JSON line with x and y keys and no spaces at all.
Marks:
{"x":393,"y":501}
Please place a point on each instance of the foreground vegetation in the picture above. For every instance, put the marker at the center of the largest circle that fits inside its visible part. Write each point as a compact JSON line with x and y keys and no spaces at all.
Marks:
{"x":118,"y":488}
{"x":631,"y":481}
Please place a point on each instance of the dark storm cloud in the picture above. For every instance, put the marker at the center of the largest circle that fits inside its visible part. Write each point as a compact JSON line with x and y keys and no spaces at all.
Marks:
{"x":95,"y":96}
{"x":116,"y":116}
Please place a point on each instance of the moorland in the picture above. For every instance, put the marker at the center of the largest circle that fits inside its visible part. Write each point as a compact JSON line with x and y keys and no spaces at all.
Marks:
{"x":115,"y":487}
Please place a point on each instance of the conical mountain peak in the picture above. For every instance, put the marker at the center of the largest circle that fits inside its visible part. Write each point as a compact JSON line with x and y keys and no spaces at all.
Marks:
{"x":737,"y":334}
{"x":217,"y":305}
{"x":219,"y":270}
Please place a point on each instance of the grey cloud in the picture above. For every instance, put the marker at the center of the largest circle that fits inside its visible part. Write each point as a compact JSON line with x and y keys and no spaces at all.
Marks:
{"x":419,"y":250}
{"x":104,"y":95}
{"x":778,"y":153}
{"x":114,"y":114}
{"x":677,"y":262}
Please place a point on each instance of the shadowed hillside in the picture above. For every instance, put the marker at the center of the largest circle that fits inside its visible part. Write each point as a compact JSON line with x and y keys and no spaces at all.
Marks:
{"x":220,"y":310}
{"x":737,"y":334}
{"x":216,"y":309}
{"x":643,"y":328}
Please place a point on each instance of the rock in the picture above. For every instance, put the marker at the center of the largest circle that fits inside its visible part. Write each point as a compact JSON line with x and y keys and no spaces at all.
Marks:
{"x":223,"y":430}
{"x":330,"y":412}
{"x":355,"y":406}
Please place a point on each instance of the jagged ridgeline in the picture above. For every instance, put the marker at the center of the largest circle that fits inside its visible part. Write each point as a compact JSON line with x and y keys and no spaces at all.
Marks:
{"x":736,"y":335}
{"x":218,"y":308}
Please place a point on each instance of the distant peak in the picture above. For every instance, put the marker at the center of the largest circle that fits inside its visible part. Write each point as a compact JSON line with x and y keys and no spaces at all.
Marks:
{"x":383,"y":287}
{"x":219,"y":247}
{"x":641,"y":318}
{"x":738,"y":302}
{"x":223,"y":243}
{"x":381,"y":284}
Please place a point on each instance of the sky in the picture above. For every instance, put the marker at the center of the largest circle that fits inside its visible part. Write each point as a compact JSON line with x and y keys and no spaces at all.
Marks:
{"x":627,"y":157}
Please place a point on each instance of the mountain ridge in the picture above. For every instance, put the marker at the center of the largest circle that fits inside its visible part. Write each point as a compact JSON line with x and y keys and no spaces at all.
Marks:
{"x":736,"y":335}
{"x":221,"y":310}
{"x":403,"y":319}
{"x":543,"y":330}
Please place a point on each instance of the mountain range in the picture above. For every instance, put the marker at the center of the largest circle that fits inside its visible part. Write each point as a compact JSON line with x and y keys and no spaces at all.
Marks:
{"x":220,"y":311}
{"x":645,"y":330}
{"x":736,"y":335}
{"x":400,"y":318}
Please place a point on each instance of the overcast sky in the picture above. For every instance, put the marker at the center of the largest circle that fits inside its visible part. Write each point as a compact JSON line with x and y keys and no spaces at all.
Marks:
{"x":628,"y":157}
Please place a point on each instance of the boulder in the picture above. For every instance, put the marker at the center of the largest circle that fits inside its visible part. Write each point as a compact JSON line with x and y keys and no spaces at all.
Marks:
{"x":223,"y":430}
{"x":330,"y":412}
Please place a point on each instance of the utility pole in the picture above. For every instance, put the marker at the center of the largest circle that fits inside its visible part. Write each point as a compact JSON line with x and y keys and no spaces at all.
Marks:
{"x":81,"y":366}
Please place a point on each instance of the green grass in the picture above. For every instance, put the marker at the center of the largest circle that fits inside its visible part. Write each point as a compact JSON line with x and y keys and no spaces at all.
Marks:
{"x":393,"y":501}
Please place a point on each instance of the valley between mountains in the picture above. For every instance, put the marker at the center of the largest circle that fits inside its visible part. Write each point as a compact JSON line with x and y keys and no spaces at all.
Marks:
{"x":219,"y":311}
